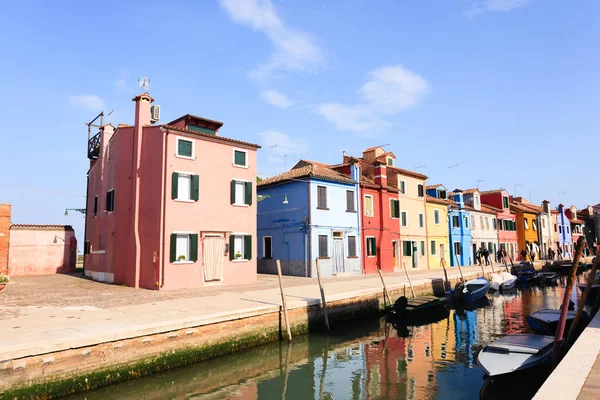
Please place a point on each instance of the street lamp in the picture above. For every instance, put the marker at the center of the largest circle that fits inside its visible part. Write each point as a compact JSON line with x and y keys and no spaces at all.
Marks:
{"x":80,"y":210}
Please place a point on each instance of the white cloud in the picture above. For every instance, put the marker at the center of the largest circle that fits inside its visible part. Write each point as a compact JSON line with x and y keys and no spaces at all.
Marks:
{"x":388,"y":91}
{"x":295,"y":51}
{"x":87,"y":102}
{"x":482,"y":6}
{"x":278,"y":144}
{"x":277,"y":99}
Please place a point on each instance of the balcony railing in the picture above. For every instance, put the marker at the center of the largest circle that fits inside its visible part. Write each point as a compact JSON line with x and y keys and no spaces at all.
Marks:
{"x":94,"y":147}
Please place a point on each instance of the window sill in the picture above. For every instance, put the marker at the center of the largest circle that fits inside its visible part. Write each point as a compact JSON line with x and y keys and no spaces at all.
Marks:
{"x":240,"y":166}
{"x":184,"y":201}
{"x":241,"y":205}
{"x":185,"y":157}
{"x":352,"y":257}
{"x":371,"y":256}
{"x":183,"y":262}
{"x":239,"y":261}
{"x":351,"y":211}
{"x":97,"y":252}
{"x":369,"y":216}
{"x":323,"y":258}
{"x":394,"y":217}
{"x":323,"y":208}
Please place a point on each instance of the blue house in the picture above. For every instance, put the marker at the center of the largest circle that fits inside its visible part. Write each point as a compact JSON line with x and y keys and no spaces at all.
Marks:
{"x":565,"y":238}
{"x":307,"y":213}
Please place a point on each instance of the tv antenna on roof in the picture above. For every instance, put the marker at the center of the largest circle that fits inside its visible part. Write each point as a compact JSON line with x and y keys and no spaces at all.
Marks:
{"x":144,"y":83}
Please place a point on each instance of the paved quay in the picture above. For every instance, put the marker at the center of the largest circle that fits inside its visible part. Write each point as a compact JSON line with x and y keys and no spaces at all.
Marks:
{"x":52,"y":313}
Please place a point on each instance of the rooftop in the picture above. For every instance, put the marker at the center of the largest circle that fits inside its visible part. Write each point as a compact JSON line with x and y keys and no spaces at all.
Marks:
{"x":308,"y":171}
{"x":41,"y":227}
{"x":213,"y":137}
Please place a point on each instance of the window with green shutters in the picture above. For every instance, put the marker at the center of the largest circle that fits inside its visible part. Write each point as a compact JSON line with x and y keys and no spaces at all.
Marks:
{"x":110,"y":201}
{"x":422,"y":248}
{"x":240,"y":247}
{"x":505,"y":201}
{"x":394,"y":208}
{"x":436,"y":217}
{"x":185,"y":148}
{"x":404,"y":216}
{"x":433,"y":248}
{"x":201,"y":129}
{"x":240,"y":158}
{"x":241,"y":193}
{"x":185,"y":187}
{"x":184,"y":247}
{"x":371,"y":246}
{"x":407,"y":249}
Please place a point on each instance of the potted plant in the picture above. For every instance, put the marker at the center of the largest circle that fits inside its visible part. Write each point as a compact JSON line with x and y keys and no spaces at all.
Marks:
{"x":181,"y":258}
{"x":3,"y":281}
{"x":238,"y":255}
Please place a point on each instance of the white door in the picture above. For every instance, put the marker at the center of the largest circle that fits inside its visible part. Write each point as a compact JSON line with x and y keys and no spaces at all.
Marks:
{"x":338,"y":255}
{"x":213,"y":256}
{"x":415,"y":255}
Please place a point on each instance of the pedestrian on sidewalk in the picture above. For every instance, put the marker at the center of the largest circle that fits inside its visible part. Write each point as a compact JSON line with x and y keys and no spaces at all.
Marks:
{"x":523,"y":255}
{"x":559,"y":253}
{"x":551,"y":254}
{"x":486,"y":256}
{"x":478,"y":256}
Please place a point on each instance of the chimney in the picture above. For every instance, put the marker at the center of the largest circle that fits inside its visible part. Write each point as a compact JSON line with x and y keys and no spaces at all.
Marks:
{"x":546,"y":206}
{"x":344,"y":156}
{"x":380,"y":172}
{"x":142,"y":110}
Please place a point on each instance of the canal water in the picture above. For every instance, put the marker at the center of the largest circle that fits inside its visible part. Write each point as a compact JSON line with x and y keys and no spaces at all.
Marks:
{"x":370,"y":359}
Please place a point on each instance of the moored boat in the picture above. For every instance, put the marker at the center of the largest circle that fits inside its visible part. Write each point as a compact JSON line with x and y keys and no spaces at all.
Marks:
{"x":503,"y":281}
{"x":594,"y":291}
{"x":527,"y":275}
{"x":471,"y":290}
{"x":545,"y":322}
{"x":548,"y":278}
{"x":515,"y":353}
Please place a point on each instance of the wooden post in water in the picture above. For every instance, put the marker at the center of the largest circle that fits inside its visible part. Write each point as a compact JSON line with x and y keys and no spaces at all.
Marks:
{"x":446,"y":282}
{"x":287,"y":372}
{"x":584,"y":296}
{"x":459,"y":269}
{"x":322,"y":295}
{"x":556,"y":350}
{"x":409,"y":282}
{"x":482,"y":270}
{"x":385,"y":291}
{"x":285,"y":313}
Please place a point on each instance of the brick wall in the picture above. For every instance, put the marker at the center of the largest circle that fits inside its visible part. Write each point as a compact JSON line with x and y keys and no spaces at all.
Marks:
{"x":4,"y":237}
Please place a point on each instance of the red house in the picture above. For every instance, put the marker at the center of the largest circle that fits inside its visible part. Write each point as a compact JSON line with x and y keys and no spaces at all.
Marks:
{"x":498,"y":201}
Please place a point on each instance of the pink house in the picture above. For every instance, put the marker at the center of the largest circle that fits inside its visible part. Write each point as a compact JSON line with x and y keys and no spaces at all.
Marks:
{"x":170,"y":206}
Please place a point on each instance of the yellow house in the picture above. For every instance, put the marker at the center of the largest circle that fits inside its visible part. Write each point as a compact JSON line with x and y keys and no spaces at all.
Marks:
{"x":437,"y":231}
{"x":526,"y":225}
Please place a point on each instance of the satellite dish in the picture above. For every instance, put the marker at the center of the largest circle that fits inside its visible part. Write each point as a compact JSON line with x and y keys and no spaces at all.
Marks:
{"x":144,"y":83}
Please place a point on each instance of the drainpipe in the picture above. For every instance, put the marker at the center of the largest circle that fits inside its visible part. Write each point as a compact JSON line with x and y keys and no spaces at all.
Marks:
{"x":160,"y":265}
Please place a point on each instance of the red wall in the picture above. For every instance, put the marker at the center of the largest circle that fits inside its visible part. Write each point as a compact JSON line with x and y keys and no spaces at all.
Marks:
{"x":4,"y":237}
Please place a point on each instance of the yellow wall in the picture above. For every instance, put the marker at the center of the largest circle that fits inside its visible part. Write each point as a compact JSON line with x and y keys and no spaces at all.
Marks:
{"x":523,"y":234}
{"x":439,"y":233}
{"x":413,"y":205}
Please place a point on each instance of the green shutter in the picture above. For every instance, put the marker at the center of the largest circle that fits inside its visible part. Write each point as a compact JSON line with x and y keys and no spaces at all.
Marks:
{"x":232,"y":193}
{"x":248,"y":247}
{"x":174,"y":185}
{"x":195,"y":187}
{"x":248,"y":193}
{"x":239,"y":158}
{"x":397,"y":208}
{"x":374,"y":244}
{"x":231,"y":249}
{"x":184,"y":148}
{"x":173,"y":247}
{"x":194,"y":247}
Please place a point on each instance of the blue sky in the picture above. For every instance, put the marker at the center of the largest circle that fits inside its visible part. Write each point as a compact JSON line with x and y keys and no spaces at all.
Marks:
{"x":506,"y":89}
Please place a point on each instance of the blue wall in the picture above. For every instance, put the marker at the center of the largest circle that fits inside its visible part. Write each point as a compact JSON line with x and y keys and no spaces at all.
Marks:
{"x":462,"y":234}
{"x":564,"y":238}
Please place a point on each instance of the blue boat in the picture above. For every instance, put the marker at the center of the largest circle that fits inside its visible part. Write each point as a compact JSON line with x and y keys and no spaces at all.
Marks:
{"x":527,"y":275}
{"x":471,"y":291}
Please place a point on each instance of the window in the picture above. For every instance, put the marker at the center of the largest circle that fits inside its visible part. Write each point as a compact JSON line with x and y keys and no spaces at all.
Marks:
{"x":240,"y":247}
{"x":560,"y":229}
{"x":110,"y":200}
{"x":457,"y":248}
{"x":443,"y":194}
{"x":322,"y":197}
{"x":404,"y":219}
{"x":568,"y":229}
{"x":184,"y":247}
{"x":455,"y":221}
{"x":480,"y":222}
{"x":407,"y":248}
{"x":466,"y":221}
{"x":323,"y":241}
{"x":477,"y":202}
{"x":267,"y":247}
{"x":420,"y":191}
{"x":543,"y":223}
{"x":487,"y":223}
{"x":433,"y":248}
{"x":422,"y":248}
{"x":554,"y":227}
{"x":526,"y":223}
{"x":402,"y":185}
{"x":472,"y":222}
{"x":421,"y":220}
{"x":534,"y":224}
{"x":184,"y":187}
{"x":185,"y":148}
{"x":436,"y":217}
{"x":201,"y":129}
{"x":390,"y":161}
{"x":498,"y":225}
{"x":368,"y":205}
{"x":505,"y":201}
{"x":394,"y":208}
{"x":240,"y":158}
{"x":351,"y":246}
{"x":350,"y":207}
{"x":95,"y":205}
{"x":371,"y":247}
{"x":241,"y":193}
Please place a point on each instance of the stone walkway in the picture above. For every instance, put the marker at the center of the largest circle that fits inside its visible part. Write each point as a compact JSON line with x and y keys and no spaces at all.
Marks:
{"x":591,"y":387}
{"x":51,"y":313}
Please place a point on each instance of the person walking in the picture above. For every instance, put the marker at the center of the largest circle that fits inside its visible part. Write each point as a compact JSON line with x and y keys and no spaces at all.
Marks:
{"x":478,"y":256}
{"x":559,"y":253}
{"x":523,"y":255}
{"x":499,"y":256}
{"x":486,"y":256}
{"x":551,"y":254}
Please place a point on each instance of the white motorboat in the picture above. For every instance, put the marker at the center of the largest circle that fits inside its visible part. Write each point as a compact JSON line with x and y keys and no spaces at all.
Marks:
{"x":503,"y":281}
{"x":515,"y":353}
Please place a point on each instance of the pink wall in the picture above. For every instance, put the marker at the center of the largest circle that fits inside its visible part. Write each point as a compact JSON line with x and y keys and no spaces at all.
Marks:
{"x":41,"y":250}
{"x":213,"y":213}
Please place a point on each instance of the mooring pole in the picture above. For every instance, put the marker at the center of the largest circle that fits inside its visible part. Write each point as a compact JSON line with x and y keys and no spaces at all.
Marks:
{"x":322,"y":295}
{"x":285,"y":313}
{"x":447,"y":285}
{"x":459,"y":268}
{"x":556,"y":350}
{"x":409,"y":282}
{"x":581,"y":304}
{"x":385,"y":291}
